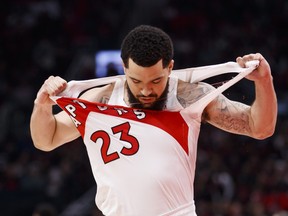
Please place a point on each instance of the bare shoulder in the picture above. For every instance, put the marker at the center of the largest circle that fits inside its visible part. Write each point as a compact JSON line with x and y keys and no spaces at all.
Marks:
{"x":99,"y":94}
{"x":188,"y":93}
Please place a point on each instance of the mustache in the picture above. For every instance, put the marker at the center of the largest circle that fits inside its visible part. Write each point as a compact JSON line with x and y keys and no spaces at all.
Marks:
{"x":147,"y":96}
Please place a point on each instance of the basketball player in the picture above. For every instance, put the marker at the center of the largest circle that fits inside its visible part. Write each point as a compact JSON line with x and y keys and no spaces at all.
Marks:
{"x":141,"y":132}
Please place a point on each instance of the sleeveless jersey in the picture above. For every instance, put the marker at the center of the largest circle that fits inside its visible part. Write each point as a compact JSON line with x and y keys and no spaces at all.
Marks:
{"x":143,"y":161}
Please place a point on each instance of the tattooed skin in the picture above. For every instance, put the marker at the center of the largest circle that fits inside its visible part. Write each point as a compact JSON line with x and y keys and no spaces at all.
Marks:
{"x":221,"y":112}
{"x":232,"y":116}
{"x":189,"y":93}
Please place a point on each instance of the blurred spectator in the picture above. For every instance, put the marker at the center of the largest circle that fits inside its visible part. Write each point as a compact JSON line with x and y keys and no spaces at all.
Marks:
{"x":45,"y":209}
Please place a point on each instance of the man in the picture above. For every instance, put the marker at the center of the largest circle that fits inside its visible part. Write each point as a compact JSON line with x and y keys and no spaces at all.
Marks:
{"x":144,"y":162}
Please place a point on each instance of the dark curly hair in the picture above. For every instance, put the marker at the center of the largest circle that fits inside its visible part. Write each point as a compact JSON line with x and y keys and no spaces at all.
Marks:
{"x":146,"y":45}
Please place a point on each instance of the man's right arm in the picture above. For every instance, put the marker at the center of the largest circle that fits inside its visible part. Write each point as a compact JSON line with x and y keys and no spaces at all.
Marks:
{"x":49,"y":131}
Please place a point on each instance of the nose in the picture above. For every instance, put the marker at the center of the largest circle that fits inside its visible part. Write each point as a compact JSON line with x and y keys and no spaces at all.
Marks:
{"x":146,"y":91}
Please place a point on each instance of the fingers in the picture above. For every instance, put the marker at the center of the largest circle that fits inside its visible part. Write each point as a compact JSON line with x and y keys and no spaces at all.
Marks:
{"x":253,"y":56}
{"x":261,"y":72}
{"x":51,"y":87}
{"x":54,"y":85}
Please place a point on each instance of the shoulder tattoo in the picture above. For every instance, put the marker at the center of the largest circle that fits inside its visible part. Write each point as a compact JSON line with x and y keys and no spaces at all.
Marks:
{"x":188,"y":93}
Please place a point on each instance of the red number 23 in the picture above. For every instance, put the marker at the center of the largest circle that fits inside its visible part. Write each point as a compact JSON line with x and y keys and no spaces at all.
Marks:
{"x":123,"y":129}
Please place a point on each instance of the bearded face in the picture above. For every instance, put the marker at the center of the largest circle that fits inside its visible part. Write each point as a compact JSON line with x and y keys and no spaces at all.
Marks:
{"x":138,"y":100}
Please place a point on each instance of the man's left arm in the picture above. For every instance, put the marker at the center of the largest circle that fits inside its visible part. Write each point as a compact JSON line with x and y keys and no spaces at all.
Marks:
{"x":259,"y":119}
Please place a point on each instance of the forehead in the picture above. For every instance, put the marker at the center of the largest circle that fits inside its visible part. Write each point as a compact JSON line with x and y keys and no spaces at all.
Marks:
{"x":136,"y":71}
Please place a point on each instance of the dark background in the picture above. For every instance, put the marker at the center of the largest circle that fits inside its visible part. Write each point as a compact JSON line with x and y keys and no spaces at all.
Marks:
{"x":235,"y":175}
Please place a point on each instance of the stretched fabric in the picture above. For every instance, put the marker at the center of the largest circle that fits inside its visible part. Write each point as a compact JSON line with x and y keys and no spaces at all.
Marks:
{"x":143,"y":161}
{"x":192,"y":75}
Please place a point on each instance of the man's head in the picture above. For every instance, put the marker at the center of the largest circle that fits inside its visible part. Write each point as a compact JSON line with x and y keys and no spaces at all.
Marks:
{"x":147,"y":54}
{"x":146,"y":45}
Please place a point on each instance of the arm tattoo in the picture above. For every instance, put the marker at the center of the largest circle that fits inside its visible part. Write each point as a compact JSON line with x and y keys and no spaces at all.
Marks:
{"x":227,"y":115}
{"x":232,"y":116}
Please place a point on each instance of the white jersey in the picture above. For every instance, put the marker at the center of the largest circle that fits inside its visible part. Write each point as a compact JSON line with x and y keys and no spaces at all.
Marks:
{"x":143,"y":161}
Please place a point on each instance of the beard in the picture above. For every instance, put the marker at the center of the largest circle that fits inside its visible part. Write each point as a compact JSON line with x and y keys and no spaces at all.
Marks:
{"x":159,"y":104}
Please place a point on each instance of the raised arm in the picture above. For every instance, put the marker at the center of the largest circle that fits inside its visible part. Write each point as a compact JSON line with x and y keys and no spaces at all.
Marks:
{"x":48,"y":131}
{"x":257,"y":120}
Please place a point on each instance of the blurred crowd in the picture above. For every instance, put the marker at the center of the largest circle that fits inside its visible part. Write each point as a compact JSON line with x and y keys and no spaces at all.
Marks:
{"x":236,"y":175}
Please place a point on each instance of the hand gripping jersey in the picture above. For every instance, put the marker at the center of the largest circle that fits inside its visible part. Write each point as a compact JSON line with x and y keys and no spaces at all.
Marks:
{"x":143,"y":161}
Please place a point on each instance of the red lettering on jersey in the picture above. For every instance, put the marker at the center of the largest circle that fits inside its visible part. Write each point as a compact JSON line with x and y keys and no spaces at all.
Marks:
{"x":171,"y":122}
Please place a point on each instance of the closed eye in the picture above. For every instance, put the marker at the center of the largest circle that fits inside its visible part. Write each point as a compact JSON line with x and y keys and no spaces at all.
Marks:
{"x":156,"y":81}
{"x":135,"y":80}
